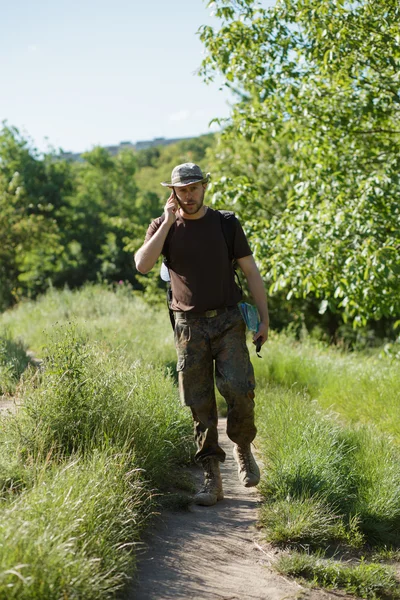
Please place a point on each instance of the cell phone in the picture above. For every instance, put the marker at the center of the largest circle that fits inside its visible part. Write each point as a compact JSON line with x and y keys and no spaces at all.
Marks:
{"x":175,"y":198}
{"x":258,"y":346}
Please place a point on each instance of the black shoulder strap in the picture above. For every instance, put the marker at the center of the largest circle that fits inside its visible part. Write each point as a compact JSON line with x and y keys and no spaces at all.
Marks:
{"x":228,"y":225}
{"x":168,"y":283}
{"x":166,"y":243}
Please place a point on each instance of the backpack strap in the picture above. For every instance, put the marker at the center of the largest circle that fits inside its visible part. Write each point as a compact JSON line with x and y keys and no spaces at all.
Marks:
{"x":166,"y":263}
{"x":166,"y":243}
{"x":228,"y":226}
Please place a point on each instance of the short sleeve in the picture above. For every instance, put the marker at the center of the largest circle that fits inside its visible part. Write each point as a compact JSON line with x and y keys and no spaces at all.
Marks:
{"x":152,"y":228}
{"x":241,"y":246}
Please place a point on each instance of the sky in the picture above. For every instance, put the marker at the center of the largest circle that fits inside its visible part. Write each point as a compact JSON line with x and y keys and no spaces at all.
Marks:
{"x":75,"y":74}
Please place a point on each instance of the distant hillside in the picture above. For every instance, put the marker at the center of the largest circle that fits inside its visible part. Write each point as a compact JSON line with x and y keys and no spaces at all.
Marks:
{"x":113,"y":150}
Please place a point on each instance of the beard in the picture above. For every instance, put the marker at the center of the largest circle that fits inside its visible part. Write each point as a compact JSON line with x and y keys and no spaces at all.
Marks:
{"x":194,"y":208}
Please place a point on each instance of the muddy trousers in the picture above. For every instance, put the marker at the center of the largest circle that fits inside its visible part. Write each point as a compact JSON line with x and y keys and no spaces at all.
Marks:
{"x":201,"y":342}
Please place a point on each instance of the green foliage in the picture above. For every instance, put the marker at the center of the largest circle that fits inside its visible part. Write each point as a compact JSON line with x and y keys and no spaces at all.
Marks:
{"x":318,"y":100}
{"x":90,"y":394}
{"x":307,"y":520}
{"x":103,"y":392}
{"x":324,"y":482}
{"x":114,"y":316}
{"x":330,"y":489}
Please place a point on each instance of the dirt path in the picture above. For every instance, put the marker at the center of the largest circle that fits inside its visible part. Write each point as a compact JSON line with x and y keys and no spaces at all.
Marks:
{"x":214,"y":552}
{"x":9,"y":403}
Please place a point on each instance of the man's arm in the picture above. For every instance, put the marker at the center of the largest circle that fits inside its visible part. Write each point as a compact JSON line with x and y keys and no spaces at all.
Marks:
{"x":147,"y":256}
{"x":256,"y":286}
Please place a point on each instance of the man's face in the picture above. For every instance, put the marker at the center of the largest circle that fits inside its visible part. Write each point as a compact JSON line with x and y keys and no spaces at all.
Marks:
{"x":191,"y":197}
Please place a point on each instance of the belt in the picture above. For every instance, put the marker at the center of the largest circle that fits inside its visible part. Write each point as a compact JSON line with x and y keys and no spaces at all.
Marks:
{"x":188,"y":314}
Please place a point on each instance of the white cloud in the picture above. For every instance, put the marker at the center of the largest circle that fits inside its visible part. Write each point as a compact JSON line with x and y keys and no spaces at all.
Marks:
{"x":32,"y":48}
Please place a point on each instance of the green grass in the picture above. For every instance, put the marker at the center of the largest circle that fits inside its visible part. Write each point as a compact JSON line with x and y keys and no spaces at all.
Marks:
{"x":13,"y":362}
{"x":118,"y":317}
{"x":330,"y":482}
{"x":326,"y":486}
{"x":89,"y":395}
{"x":366,"y":580}
{"x":323,"y":480}
{"x":360,"y":388}
{"x":99,"y":434}
{"x":72,"y":534}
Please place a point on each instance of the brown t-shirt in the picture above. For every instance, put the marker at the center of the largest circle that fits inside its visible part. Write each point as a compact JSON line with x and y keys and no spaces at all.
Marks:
{"x":201,"y":273}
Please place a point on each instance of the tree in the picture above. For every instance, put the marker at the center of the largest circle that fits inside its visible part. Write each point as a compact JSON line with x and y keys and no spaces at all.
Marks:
{"x":32,"y":197}
{"x":318,"y":80}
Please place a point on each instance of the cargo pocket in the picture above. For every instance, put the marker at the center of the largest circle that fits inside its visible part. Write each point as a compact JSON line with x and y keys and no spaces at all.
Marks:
{"x":180,"y":365}
{"x":182,"y":334}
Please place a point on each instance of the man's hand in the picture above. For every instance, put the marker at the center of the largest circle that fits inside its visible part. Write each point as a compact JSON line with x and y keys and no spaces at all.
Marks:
{"x":261,"y":333}
{"x":147,"y":256}
{"x":170,"y":209}
{"x":256,"y":287}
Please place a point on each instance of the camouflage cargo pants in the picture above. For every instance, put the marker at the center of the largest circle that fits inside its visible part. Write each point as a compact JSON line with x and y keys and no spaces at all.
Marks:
{"x":201,"y":341}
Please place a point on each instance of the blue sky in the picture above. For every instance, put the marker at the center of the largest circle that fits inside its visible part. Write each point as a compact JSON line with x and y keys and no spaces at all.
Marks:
{"x":88,"y":72}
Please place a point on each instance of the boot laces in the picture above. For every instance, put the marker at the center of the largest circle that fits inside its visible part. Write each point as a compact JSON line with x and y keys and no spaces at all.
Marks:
{"x":245,"y":458}
{"x":210,"y":470}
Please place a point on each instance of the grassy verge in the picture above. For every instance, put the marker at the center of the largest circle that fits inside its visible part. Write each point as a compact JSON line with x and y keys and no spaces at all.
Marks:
{"x":327,"y":488}
{"x":105,"y":391}
{"x":366,"y":580}
{"x":362,"y":389}
{"x":13,"y":362}
{"x":100,"y":432}
{"x":118,"y":317}
{"x":71,"y":535}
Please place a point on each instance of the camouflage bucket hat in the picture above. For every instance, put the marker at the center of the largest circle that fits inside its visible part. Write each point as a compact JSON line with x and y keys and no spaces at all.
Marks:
{"x":186,"y":174}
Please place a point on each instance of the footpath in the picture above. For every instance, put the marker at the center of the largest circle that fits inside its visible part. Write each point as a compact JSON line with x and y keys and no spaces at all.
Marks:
{"x":11,"y":403}
{"x":214,"y":553}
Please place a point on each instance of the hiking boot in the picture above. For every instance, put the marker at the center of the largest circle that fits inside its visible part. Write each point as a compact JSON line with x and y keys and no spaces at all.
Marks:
{"x":248,"y":471}
{"x":212,"y":489}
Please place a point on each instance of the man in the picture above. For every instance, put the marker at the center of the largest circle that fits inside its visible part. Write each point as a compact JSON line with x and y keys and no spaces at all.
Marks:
{"x":208,"y":324}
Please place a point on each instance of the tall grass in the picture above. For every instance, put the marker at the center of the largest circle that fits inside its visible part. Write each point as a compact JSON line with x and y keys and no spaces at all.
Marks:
{"x":327,"y":486}
{"x":100,"y":430}
{"x":13,"y":362}
{"x":89,"y":395}
{"x":117,"y":316}
{"x":324,"y":481}
{"x":328,"y":482}
{"x":73,"y":533}
{"x":362,"y":389}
